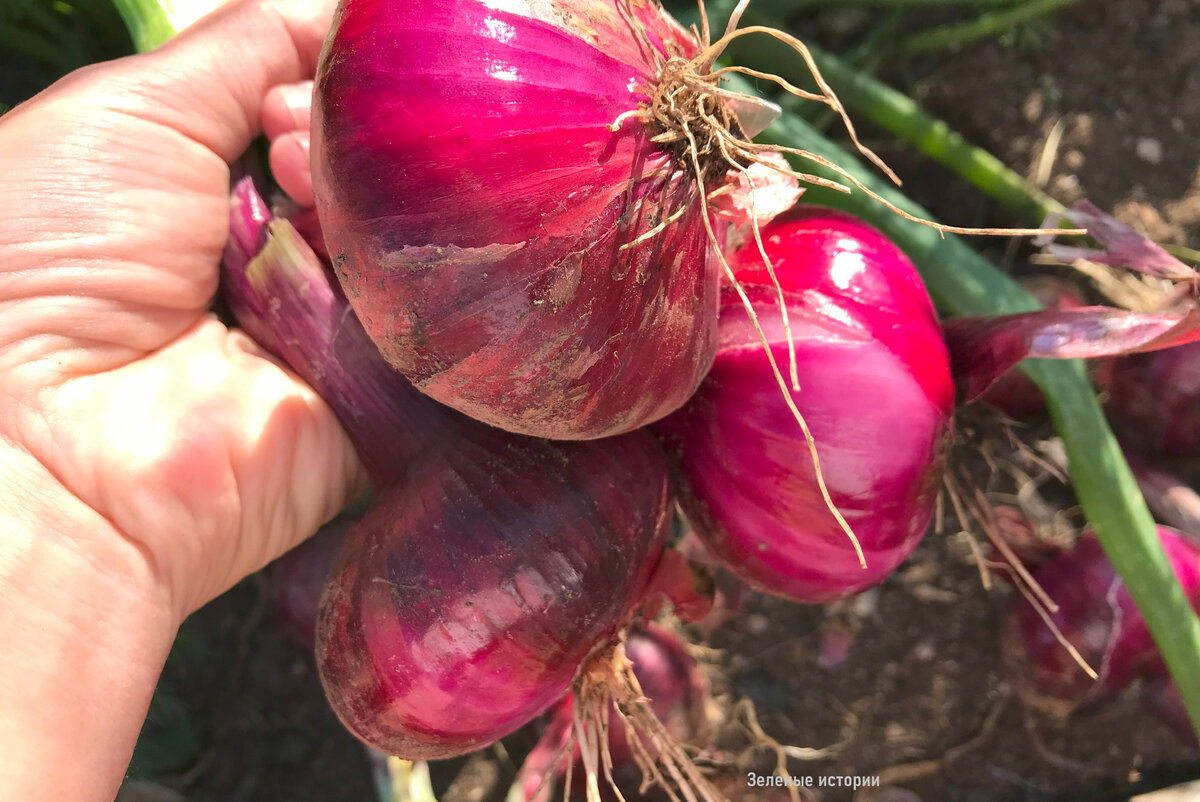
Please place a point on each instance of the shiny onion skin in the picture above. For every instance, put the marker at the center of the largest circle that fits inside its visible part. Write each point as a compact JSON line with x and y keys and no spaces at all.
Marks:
{"x":475,"y":201}
{"x":875,"y":390}
{"x":1098,"y":617}
{"x":491,"y":564}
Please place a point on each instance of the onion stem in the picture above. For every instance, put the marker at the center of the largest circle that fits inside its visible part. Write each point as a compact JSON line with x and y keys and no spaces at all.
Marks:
{"x":900,"y":115}
{"x":963,"y":282}
{"x":152,"y":22}
{"x":148,"y":21}
{"x":983,"y":27}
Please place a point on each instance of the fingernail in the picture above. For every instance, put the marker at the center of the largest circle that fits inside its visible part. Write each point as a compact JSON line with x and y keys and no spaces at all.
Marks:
{"x":298,"y":99}
{"x":302,"y":140}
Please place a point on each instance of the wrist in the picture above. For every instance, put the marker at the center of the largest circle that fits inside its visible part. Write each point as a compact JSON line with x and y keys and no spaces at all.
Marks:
{"x":84,"y":627}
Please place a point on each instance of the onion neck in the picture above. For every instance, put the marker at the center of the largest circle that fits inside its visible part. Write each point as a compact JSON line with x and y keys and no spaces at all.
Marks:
{"x":288,"y":301}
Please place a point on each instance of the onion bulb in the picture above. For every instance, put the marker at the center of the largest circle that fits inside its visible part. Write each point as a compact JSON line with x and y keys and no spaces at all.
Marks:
{"x":515,"y":196}
{"x":875,"y":388}
{"x":1097,"y":617}
{"x":1155,"y":400}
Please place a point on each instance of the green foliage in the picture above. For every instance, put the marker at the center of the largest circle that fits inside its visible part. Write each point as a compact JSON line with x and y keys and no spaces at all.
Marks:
{"x":42,"y":40}
{"x":168,"y":741}
{"x":172,"y":737}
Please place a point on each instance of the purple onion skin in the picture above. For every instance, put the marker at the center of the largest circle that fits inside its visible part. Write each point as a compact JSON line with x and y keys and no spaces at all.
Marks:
{"x":876,"y":393}
{"x":1155,"y":400}
{"x":299,"y":577}
{"x":470,"y":595}
{"x":491,"y":564}
{"x":474,"y":201}
{"x":1098,"y":617}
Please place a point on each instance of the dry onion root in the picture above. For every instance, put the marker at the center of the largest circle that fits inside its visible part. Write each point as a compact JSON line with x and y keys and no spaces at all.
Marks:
{"x":609,"y":683}
{"x":633,"y":700}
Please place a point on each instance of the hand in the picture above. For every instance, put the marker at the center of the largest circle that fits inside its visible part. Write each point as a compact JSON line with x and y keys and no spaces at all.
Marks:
{"x":149,"y":457}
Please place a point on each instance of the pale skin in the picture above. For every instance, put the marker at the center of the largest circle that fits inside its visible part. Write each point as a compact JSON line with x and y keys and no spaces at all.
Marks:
{"x":149,"y":457}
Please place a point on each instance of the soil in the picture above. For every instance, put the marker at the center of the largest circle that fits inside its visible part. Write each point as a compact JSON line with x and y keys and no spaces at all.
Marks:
{"x":919,"y":698}
{"x":1120,"y":81}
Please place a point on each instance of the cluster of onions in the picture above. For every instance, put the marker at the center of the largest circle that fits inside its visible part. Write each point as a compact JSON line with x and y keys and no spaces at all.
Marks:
{"x":526,"y":205}
{"x":526,"y":202}
{"x":1097,"y":625}
{"x":524,"y":213}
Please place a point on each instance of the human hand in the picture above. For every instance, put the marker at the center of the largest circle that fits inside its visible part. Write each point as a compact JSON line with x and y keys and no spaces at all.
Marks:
{"x":149,"y":457}
{"x":113,"y":215}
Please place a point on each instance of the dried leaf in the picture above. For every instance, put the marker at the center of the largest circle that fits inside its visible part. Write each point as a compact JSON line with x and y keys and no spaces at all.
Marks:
{"x":1121,"y":246}
{"x":982,"y":349}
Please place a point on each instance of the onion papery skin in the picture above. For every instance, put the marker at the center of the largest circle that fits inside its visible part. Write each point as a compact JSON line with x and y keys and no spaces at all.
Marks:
{"x":474,"y":201}
{"x":1098,"y":617}
{"x":491,"y":564}
{"x":875,"y":390}
{"x":1014,"y":393}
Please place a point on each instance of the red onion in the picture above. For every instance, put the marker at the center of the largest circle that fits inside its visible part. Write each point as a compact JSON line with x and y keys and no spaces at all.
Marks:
{"x":875,"y":390}
{"x":514,"y":207}
{"x":1155,"y":400}
{"x":468,"y":598}
{"x":1097,"y":617}
{"x":678,"y":694}
{"x":476,"y":204}
{"x":491,"y":566}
